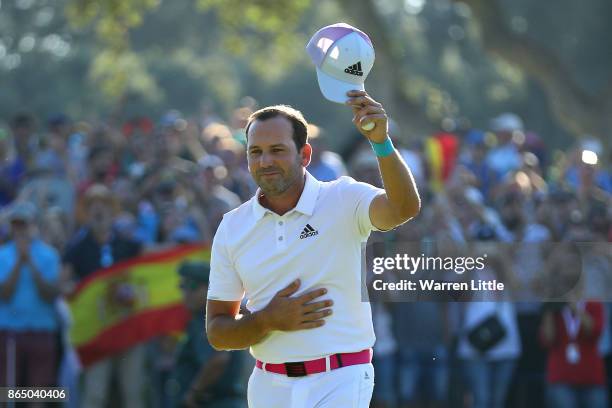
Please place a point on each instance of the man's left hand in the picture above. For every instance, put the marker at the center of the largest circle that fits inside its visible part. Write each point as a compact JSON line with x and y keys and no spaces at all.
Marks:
{"x":367,"y":110}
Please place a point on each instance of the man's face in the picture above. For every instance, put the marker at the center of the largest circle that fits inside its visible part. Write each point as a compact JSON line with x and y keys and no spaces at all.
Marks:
{"x":273,"y":159}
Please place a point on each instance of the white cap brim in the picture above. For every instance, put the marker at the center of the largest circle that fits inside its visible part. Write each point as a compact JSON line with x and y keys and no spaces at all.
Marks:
{"x":334,"y":89}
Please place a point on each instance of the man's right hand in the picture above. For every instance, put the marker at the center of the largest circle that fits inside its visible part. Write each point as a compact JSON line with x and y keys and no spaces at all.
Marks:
{"x":285,"y":313}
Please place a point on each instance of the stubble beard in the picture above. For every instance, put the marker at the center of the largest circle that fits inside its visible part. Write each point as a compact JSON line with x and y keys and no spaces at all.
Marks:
{"x":281,"y":184}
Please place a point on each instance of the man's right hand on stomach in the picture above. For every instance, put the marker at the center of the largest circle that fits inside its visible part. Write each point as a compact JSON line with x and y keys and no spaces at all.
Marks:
{"x":286,"y":313}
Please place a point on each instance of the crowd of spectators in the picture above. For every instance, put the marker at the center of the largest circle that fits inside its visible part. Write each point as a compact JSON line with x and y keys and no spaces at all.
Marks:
{"x":77,"y":196}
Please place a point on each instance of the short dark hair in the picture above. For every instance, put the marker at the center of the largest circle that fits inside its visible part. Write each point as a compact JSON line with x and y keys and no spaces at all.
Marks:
{"x":21,"y":120}
{"x":300,"y":126}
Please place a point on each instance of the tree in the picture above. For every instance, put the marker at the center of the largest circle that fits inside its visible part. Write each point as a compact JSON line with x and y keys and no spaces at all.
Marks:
{"x":420,"y":95}
{"x":435,"y":58}
{"x":579,"y":110}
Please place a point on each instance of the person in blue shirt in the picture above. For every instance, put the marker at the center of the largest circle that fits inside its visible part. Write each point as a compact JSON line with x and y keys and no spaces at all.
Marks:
{"x":29,"y":273}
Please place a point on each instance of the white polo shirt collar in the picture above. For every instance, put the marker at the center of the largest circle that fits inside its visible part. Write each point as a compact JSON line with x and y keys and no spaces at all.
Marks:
{"x":305,"y":205}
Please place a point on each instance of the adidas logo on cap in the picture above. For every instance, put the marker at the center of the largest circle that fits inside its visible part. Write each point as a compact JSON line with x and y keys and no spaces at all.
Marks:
{"x":308,"y":231}
{"x":354,"y":69}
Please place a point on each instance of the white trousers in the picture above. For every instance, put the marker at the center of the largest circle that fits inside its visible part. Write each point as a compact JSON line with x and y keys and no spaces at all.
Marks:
{"x":346,"y":387}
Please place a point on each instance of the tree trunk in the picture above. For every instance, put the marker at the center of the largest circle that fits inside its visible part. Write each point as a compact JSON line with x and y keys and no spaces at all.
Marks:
{"x":576,"y":110}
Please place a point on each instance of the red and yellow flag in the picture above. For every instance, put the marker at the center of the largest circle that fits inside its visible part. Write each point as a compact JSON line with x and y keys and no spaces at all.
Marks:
{"x":118,"y":307}
{"x":441,"y":151}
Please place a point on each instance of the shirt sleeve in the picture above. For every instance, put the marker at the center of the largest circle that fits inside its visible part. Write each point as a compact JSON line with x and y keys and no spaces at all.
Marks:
{"x":358,"y":196}
{"x":224,"y":282}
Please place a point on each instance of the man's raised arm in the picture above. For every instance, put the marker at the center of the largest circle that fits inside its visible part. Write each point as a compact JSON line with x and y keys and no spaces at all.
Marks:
{"x":401,"y":201}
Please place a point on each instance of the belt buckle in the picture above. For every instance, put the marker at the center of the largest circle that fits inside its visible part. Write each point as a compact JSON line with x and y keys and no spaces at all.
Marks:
{"x":297,"y":369}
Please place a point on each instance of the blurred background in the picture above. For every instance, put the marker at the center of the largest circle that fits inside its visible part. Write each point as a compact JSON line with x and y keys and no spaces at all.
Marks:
{"x":122,"y":145}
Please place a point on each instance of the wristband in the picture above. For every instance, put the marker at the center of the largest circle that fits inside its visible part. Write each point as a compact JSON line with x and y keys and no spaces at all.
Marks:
{"x":383,"y":149}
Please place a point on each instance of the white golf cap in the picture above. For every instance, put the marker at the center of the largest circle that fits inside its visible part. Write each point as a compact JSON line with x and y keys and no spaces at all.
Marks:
{"x":344,"y":57}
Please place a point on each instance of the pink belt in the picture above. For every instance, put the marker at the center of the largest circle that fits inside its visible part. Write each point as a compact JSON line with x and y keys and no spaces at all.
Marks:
{"x":302,"y":368}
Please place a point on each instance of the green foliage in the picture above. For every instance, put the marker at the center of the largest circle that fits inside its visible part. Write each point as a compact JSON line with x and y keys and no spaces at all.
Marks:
{"x":211,"y":77}
{"x":112,"y":17}
{"x":123,"y":72}
{"x":116,"y":68}
{"x":267,"y":26}
{"x":245,"y":26}
{"x":267,"y":16}
{"x":151,"y":55}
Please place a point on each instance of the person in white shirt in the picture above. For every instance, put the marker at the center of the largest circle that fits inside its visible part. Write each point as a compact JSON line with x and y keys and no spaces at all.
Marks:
{"x":294,"y":250}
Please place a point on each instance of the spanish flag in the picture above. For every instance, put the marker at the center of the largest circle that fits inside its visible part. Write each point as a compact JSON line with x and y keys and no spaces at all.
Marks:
{"x":132,"y":301}
{"x":441,"y":151}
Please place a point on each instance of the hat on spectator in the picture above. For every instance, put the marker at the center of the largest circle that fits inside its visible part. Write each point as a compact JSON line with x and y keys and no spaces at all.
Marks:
{"x":197,"y":271}
{"x":22,"y":211}
{"x":506,"y":122}
{"x":343,"y":56}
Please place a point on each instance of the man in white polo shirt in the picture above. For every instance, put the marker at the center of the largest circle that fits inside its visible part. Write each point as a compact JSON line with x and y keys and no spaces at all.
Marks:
{"x":294,"y":250}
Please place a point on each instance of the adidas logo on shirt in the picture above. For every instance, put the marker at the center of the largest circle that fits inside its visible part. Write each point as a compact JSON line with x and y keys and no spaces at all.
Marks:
{"x":308,"y":231}
{"x":354,"y":69}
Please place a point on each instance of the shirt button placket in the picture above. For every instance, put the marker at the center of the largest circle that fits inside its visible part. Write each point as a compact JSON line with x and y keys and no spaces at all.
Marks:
{"x":280,"y":234}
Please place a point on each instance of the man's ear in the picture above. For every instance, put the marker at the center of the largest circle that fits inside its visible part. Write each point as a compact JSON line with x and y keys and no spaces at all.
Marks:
{"x":306,"y":154}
